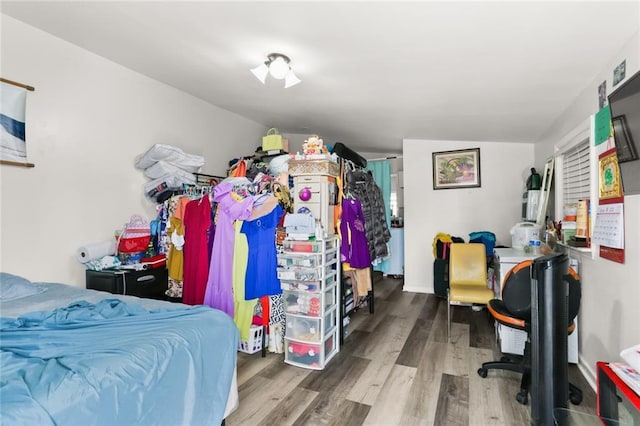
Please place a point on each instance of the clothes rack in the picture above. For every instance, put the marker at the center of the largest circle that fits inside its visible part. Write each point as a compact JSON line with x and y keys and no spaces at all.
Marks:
{"x":351,"y":161}
{"x":346,"y":153}
{"x":204,"y":179}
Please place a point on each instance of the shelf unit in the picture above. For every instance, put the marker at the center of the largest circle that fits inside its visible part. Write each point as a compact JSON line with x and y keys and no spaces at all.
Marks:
{"x":348,"y":305}
{"x":309,"y":273}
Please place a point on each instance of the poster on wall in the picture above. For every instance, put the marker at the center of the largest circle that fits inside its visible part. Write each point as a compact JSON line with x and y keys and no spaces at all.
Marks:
{"x":608,"y":229}
{"x":13,"y":105}
{"x":610,"y":185}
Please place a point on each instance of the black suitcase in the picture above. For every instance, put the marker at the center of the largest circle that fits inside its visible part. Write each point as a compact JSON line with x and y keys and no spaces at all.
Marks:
{"x":441,"y":277}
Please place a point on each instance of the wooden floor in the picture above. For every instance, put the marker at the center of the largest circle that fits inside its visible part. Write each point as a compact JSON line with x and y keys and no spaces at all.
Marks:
{"x":395,"y":367}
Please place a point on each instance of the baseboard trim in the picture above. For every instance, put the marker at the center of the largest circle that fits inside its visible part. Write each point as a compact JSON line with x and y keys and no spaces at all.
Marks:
{"x":588,"y":373}
{"x":411,"y":289}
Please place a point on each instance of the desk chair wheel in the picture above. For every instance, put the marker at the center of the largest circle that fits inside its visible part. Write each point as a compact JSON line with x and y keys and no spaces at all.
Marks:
{"x":522,"y":397}
{"x":482,"y":372}
{"x":575,"y":394}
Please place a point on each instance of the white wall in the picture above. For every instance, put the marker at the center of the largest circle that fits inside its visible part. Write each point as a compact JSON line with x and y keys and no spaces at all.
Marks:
{"x":86,"y":121}
{"x":495,"y":206}
{"x":609,"y":319}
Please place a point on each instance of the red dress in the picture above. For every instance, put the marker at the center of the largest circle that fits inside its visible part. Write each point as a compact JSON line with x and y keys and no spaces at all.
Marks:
{"x":197,"y":220}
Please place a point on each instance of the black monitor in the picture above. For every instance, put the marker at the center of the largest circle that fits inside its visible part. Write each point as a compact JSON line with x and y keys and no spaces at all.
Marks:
{"x":624,"y":103}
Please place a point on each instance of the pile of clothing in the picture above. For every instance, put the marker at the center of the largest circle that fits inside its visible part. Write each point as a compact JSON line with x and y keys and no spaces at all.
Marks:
{"x":169,"y":168}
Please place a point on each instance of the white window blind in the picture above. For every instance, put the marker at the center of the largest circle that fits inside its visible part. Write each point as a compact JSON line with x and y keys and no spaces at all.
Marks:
{"x":576,"y":173}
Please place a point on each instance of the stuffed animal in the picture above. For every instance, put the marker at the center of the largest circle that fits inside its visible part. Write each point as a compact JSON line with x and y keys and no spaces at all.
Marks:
{"x":312,"y":146}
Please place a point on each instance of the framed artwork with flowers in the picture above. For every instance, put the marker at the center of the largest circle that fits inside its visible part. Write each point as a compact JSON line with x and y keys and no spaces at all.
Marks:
{"x":456,"y":169}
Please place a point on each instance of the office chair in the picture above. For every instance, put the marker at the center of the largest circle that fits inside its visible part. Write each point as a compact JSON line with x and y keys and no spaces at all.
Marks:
{"x":514,"y":310}
{"x":467,"y":277}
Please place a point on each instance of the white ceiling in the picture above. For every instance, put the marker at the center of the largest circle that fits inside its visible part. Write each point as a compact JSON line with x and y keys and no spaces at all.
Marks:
{"x":372,"y":73}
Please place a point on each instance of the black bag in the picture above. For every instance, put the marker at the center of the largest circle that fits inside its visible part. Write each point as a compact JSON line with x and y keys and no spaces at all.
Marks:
{"x":442,"y":244}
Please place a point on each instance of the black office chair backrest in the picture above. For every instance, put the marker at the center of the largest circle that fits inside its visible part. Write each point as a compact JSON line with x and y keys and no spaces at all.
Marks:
{"x":516,"y":293}
{"x":575,"y":293}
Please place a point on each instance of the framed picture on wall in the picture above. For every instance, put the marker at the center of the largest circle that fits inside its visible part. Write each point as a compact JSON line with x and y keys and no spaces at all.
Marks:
{"x":456,"y":169}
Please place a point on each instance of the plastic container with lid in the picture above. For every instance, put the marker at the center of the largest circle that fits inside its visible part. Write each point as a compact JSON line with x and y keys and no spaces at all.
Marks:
{"x":523,"y":232}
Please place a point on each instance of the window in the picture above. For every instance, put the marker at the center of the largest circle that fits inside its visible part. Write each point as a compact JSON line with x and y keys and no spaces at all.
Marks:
{"x":575,"y":178}
{"x":393,"y":201}
{"x":576,"y":174}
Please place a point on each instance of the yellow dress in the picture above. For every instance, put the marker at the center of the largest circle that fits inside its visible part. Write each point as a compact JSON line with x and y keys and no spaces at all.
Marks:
{"x":175,"y":258}
{"x":243,"y":312}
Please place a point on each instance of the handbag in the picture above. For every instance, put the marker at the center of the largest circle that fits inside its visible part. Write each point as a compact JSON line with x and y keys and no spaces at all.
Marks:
{"x":135,"y":235}
{"x":272,"y":141}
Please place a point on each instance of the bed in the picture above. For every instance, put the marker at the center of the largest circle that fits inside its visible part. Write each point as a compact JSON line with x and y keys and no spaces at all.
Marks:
{"x":74,"y":356}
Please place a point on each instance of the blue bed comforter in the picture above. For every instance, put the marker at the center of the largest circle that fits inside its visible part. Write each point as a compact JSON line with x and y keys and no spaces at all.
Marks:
{"x":116,"y":363}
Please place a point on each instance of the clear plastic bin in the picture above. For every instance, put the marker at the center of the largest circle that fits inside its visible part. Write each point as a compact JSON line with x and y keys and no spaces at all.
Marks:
{"x":293,"y":259}
{"x":300,"y":273}
{"x":309,"y":246}
{"x":308,"y":303}
{"x":310,"y":355}
{"x":309,"y":329}
{"x":313,"y":286}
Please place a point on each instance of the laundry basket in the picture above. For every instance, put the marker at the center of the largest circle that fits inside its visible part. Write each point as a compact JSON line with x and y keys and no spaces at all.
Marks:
{"x":254,"y":344}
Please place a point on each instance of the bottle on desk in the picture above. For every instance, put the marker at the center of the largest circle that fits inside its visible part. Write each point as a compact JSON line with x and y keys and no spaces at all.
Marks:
{"x":534,"y":246}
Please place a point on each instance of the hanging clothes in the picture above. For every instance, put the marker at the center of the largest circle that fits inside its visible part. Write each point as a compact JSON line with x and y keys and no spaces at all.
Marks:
{"x":361,"y":185}
{"x":175,"y":258}
{"x":361,"y":282}
{"x":197,"y":221}
{"x":354,"y":248}
{"x":262,"y":278}
{"x":381,"y":172}
{"x":176,"y":241}
{"x":277,"y":323}
{"x":219,"y":293}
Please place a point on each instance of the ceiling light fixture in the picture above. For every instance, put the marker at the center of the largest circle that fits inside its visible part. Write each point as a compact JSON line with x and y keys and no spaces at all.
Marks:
{"x":278,"y":66}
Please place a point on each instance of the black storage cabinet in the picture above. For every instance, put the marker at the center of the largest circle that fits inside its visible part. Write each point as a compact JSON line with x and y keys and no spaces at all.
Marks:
{"x":148,"y":283}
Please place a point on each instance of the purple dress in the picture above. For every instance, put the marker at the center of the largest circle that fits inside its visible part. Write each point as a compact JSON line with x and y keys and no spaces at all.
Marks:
{"x":262,"y":275}
{"x":219,"y":293}
{"x":354,"y":248}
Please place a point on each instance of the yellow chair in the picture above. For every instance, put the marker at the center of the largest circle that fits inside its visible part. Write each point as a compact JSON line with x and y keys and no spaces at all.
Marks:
{"x":467,"y":277}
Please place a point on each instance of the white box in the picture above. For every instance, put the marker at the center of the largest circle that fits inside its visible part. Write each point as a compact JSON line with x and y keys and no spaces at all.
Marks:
{"x":512,"y":340}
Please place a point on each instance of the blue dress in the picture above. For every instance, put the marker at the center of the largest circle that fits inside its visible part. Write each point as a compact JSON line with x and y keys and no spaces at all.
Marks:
{"x":262,"y":276}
